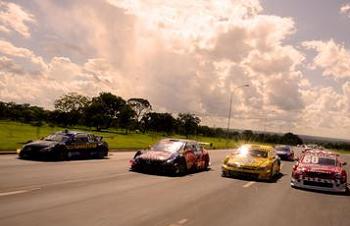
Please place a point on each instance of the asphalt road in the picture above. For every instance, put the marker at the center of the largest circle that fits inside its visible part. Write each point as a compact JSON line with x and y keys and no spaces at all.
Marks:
{"x":104,"y":192}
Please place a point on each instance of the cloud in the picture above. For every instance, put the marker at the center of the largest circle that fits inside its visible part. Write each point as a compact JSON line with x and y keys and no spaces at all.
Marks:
{"x":62,"y":76}
{"x":37,"y":62}
{"x":345,"y":9}
{"x":332,"y":58}
{"x":7,"y":66}
{"x":14,"y":18}
{"x":179,"y":60}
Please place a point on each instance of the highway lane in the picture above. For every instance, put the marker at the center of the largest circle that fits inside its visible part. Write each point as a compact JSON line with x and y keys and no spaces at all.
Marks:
{"x":104,"y":192}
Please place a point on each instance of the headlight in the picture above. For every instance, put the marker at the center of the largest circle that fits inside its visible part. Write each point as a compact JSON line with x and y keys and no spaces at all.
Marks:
{"x":171,"y":159}
{"x":265,"y":168}
{"x":338,"y":176}
{"x":233,"y":164}
{"x":226,"y":160}
{"x":46,"y":149}
{"x":18,"y":150}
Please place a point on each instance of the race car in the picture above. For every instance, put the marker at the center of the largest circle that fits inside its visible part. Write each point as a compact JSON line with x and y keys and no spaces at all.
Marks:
{"x":285,"y":152}
{"x":319,"y":170}
{"x":252,"y":162}
{"x":174,"y":156}
{"x":65,"y":145}
{"x":309,"y":147}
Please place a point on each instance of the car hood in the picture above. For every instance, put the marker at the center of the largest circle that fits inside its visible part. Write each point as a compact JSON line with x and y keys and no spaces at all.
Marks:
{"x":320,"y":168}
{"x":283,"y":152}
{"x":41,"y":144}
{"x":155,"y":155}
{"x":248,"y":161}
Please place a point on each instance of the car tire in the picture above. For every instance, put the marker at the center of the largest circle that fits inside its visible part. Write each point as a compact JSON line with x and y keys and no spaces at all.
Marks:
{"x":206,"y":164}
{"x":101,"y":152}
{"x":271,"y":176}
{"x":62,"y":154}
{"x":181,"y":168}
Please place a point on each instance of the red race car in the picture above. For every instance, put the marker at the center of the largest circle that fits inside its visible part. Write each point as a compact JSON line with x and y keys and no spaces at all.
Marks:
{"x":320,"y":170}
{"x":175,"y":156}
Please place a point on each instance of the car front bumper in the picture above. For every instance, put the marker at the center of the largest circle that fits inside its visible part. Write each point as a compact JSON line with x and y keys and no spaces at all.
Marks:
{"x":245,"y":173}
{"x":155,"y":167}
{"x":286,"y":157}
{"x":319,"y":184}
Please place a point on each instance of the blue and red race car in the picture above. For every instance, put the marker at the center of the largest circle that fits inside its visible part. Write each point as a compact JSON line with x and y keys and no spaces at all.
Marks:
{"x":175,"y":156}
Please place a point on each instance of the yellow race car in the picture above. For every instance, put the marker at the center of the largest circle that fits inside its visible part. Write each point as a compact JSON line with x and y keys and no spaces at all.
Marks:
{"x":253,"y":162}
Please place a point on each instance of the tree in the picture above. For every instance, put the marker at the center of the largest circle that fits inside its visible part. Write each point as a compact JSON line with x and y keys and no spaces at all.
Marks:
{"x":291,"y":139}
{"x":106,"y":109}
{"x":110,"y":103}
{"x":140,"y":106}
{"x":159,"y":122}
{"x":95,"y":115}
{"x":126,"y":117}
{"x":188,"y":123}
{"x":71,"y":102}
{"x":247,"y":134}
{"x":3,"y":110}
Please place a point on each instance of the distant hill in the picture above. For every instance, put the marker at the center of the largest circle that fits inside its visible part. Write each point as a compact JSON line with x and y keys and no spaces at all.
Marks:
{"x":305,"y":138}
{"x":315,"y":139}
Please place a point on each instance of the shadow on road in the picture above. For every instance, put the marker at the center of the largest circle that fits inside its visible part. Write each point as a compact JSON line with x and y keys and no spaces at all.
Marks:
{"x":275,"y":179}
{"x":347,"y":193}
{"x":168,"y":174}
{"x":55,"y":160}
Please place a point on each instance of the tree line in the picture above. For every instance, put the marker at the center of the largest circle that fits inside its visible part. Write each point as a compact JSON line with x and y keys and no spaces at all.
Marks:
{"x":136,"y":114}
{"x":103,"y":112}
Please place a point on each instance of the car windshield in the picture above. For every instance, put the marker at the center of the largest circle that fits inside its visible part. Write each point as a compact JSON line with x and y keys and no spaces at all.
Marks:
{"x":56,"y":137}
{"x":253,"y":152}
{"x":168,"y":146}
{"x":283,"y":149}
{"x":320,"y":160}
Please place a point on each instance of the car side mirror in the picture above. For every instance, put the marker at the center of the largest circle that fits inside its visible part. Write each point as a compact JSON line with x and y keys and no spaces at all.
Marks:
{"x":29,"y":141}
{"x":344,"y":163}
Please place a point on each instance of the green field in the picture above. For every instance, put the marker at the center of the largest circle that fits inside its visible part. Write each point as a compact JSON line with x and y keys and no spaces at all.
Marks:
{"x":14,"y":134}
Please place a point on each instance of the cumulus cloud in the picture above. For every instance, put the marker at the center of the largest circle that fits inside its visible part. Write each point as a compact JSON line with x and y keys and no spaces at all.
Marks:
{"x":345,"y":9}
{"x":34,"y":63}
{"x":8,"y":66}
{"x":332,"y":58}
{"x":62,"y":76}
{"x":14,"y":18}
{"x":179,"y":60}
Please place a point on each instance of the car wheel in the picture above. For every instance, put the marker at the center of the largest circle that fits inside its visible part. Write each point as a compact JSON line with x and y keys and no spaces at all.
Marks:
{"x":272,"y":174}
{"x":181,"y":168}
{"x":101,"y":153}
{"x":206,"y":164}
{"x":224,"y":174}
{"x":62,"y":154}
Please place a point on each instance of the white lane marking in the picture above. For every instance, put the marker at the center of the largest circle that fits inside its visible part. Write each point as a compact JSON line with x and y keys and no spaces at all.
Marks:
{"x":249,"y":184}
{"x":17,"y":192}
{"x":183,"y":221}
{"x":180,"y":222}
{"x":30,"y":187}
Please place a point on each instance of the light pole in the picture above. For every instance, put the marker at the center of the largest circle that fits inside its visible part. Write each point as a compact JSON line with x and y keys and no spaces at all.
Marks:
{"x":230,"y":108}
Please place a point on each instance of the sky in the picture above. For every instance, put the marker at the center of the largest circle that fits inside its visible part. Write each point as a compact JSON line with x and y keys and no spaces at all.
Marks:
{"x":187,"y":56}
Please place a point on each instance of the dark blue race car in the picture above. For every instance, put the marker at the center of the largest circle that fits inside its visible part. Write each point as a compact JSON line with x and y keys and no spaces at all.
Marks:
{"x":285,"y":152}
{"x":65,"y":145}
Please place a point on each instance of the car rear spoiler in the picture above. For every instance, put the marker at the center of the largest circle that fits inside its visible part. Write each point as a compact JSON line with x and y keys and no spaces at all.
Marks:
{"x":204,"y":143}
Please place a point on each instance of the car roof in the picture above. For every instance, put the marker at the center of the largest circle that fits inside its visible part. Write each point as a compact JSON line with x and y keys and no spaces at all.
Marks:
{"x":179,"y":140}
{"x":321,"y":152}
{"x":71,"y":133}
{"x":265,"y":148}
{"x":282,"y":146}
